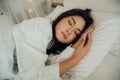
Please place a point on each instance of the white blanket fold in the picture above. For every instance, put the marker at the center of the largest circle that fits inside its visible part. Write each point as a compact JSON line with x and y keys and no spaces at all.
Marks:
{"x":31,"y":38}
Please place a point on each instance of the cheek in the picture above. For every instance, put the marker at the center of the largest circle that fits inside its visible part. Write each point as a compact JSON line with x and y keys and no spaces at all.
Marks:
{"x":58,"y":33}
{"x":59,"y":26}
{"x":71,"y":37}
{"x":58,"y":29}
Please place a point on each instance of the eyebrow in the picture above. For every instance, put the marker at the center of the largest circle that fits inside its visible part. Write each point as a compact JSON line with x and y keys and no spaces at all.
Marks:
{"x":73,"y":20}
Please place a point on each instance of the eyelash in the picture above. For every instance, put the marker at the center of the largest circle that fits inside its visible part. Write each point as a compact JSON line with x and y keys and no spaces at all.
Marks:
{"x":75,"y":33}
{"x":69,"y":23}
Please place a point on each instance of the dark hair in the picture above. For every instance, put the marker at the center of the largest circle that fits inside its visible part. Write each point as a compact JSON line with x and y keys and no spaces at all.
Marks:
{"x":85,"y":14}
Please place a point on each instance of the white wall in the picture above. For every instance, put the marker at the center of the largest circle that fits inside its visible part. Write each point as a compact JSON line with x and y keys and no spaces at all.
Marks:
{"x":20,"y":10}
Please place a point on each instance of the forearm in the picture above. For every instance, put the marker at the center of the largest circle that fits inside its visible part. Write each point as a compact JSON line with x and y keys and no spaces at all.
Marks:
{"x":79,"y":53}
{"x":68,"y":64}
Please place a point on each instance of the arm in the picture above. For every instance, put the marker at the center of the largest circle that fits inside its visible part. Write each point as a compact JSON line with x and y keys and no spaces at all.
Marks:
{"x":78,"y":55}
{"x":38,"y":69}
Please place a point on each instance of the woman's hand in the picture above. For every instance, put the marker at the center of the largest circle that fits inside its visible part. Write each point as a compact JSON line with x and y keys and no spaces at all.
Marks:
{"x":80,"y":51}
{"x":80,"y":48}
{"x":89,"y":30}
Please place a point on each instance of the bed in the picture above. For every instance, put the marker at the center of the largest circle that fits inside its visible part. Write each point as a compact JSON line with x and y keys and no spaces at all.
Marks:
{"x":96,"y":66}
{"x":105,"y":65}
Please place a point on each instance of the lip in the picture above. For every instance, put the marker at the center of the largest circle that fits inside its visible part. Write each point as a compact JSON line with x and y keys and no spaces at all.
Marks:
{"x":64,"y":35}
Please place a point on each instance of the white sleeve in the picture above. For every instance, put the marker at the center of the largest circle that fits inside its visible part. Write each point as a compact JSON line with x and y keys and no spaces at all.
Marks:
{"x":31,"y":62}
{"x":31,"y":52}
{"x":67,"y":53}
{"x":32,"y":65}
{"x":40,"y":73}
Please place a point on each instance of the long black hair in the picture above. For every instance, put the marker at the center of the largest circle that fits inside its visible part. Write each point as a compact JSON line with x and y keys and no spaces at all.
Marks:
{"x":57,"y":46}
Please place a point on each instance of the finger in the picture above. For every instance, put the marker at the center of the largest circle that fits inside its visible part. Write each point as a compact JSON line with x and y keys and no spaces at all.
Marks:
{"x":89,"y":39}
{"x":91,"y":28}
{"x":77,"y":43}
{"x":82,"y":42}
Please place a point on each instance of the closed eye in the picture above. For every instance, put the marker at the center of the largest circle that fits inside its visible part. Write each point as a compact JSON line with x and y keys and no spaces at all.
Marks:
{"x":69,"y":22}
{"x":77,"y":31}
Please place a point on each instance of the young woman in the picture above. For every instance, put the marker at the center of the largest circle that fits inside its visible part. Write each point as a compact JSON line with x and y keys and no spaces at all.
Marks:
{"x":35,"y":39}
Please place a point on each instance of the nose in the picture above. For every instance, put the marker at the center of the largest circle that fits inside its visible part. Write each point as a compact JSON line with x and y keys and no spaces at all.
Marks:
{"x":70,"y":30}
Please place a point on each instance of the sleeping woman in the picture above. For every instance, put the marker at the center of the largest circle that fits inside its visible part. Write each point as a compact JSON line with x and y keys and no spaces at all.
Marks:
{"x":37,"y":38}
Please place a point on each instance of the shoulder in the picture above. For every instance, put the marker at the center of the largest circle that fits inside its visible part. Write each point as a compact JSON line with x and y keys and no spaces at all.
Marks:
{"x":35,"y":31}
{"x":36,"y":25}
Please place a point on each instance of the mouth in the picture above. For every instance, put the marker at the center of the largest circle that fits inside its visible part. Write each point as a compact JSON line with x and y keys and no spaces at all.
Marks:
{"x":64,"y":35}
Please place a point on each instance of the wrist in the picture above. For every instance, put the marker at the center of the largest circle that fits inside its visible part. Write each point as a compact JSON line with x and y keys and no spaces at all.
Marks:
{"x":76,"y":59}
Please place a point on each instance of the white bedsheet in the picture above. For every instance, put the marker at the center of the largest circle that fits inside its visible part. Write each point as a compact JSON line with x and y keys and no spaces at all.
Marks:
{"x":109,"y":69}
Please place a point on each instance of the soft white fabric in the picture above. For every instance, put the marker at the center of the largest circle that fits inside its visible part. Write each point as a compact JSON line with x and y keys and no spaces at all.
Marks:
{"x":95,"y":5}
{"x":105,"y":33}
{"x":99,"y":16}
{"x":109,"y":68}
{"x":31,"y":39}
{"x":6,"y":48}
{"x":56,"y":12}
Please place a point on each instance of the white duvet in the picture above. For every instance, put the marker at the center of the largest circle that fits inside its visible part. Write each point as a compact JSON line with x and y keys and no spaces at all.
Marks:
{"x":31,"y":39}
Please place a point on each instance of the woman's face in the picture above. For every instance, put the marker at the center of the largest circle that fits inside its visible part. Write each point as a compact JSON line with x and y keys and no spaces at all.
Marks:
{"x":68,"y":28}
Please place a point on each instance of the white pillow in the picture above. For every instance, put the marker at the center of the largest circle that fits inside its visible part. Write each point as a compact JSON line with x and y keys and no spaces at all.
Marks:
{"x":105,"y":33}
{"x":99,"y":16}
{"x":96,"y":5}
